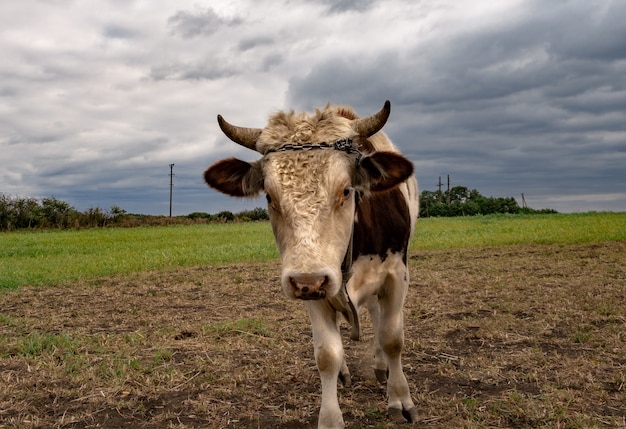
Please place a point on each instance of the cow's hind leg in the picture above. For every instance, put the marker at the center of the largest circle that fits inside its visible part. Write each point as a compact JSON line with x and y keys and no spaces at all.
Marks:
{"x":329,"y":357}
{"x":380,"y":360}
{"x":391,"y":337}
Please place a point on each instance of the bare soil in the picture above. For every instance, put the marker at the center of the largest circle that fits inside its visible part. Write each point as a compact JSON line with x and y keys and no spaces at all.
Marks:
{"x":503,"y":337}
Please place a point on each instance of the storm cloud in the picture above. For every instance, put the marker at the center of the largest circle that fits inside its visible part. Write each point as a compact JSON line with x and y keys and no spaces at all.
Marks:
{"x":506,"y":97}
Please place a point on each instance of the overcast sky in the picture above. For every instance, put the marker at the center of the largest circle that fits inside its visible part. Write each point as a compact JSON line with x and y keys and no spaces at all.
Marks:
{"x":98,"y":97}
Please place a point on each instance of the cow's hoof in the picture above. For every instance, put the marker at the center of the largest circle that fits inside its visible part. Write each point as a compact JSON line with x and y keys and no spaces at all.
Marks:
{"x":397,"y":415}
{"x":381,"y":375}
{"x":355,"y":333}
{"x":345,"y":378}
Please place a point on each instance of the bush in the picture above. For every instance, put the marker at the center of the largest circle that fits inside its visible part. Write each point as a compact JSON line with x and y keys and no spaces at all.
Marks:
{"x":461,"y":201}
{"x":225,"y":216}
{"x":199,"y":215}
{"x":19,"y":213}
{"x":58,"y":213}
{"x":254,"y":215}
{"x":50,"y":212}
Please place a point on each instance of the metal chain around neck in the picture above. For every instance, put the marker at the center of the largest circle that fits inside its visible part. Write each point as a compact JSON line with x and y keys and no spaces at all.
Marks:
{"x":344,"y":145}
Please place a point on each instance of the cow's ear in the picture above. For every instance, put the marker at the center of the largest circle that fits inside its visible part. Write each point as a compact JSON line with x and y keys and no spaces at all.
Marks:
{"x":235,"y":177}
{"x":384,"y":170}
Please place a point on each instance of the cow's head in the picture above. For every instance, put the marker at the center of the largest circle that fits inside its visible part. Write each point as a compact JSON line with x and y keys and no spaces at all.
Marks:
{"x":312,"y":168}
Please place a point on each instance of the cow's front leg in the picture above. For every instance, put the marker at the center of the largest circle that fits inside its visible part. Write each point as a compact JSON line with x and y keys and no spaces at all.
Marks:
{"x":391,"y":336}
{"x":329,"y":358}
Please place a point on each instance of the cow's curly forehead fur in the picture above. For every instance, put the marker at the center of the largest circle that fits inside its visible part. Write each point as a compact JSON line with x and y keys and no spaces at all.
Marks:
{"x":325,"y":125}
{"x":307,"y":176}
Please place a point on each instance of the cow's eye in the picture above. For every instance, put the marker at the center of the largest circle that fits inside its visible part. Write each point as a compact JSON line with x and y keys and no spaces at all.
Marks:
{"x":344,"y":197}
{"x":271,"y":204}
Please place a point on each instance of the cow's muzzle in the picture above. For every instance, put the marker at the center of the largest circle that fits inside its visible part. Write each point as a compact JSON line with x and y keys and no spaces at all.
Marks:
{"x":308,"y":286}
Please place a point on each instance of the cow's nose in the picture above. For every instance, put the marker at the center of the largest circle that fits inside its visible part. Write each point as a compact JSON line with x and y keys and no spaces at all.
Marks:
{"x":308,"y":286}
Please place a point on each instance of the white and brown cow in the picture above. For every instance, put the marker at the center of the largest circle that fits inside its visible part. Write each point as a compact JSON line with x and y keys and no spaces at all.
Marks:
{"x":342,"y":203}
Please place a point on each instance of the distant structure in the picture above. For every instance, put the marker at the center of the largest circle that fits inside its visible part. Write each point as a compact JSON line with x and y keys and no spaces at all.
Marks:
{"x":171,"y":185}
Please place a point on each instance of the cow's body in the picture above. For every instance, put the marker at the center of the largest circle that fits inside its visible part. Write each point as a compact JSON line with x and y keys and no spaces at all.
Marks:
{"x":340,"y":197}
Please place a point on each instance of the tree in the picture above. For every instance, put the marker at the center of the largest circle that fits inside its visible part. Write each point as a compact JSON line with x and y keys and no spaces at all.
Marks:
{"x":464,"y":202}
{"x":461,"y":194}
{"x":25,"y":213}
{"x":256,"y":214}
{"x":225,"y":216}
{"x":57,"y":213}
{"x":117,"y":213}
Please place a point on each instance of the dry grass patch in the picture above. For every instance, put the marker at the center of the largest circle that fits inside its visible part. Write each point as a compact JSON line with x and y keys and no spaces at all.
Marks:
{"x":509,"y":337}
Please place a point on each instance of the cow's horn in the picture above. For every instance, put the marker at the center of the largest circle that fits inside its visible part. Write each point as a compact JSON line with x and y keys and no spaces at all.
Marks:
{"x":366,"y":127}
{"x":244,"y":136}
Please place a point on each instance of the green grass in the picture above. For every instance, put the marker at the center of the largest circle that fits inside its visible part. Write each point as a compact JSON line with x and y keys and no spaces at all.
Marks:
{"x":49,"y":257}
{"x":36,"y":343}
{"x":496,"y":230}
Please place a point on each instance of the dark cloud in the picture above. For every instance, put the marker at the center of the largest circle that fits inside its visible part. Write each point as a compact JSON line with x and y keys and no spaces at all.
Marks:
{"x":193,"y":71}
{"x":341,"y":6}
{"x":119,"y":32}
{"x":199,"y":23}
{"x":345,"y":81}
{"x":254,"y":42}
{"x":271,"y":61}
{"x":534,"y":106}
{"x":587,"y":30}
{"x":146,"y":191}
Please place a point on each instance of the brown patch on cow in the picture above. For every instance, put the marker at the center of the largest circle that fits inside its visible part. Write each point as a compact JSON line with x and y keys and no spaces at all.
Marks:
{"x":383,"y":170}
{"x":235,"y":177}
{"x":383,"y":224}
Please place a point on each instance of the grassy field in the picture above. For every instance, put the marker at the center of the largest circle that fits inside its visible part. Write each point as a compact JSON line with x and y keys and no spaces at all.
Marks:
{"x":480,"y":231}
{"x":51,"y":257}
{"x":48,"y":257}
{"x":510,"y":322}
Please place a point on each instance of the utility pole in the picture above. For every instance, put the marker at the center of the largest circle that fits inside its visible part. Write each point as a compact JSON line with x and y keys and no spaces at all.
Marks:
{"x":523,"y":201}
{"x":448,"y":190}
{"x":439,"y":186}
{"x":171,"y":185}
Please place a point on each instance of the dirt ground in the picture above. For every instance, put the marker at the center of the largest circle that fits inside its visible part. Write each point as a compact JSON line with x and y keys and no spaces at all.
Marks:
{"x":503,"y":337}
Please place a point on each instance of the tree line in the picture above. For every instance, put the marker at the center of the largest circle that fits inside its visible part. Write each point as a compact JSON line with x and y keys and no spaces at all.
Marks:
{"x":52,"y":213}
{"x":461,"y":201}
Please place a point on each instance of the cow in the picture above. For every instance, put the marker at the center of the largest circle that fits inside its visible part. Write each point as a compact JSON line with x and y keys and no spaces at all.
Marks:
{"x":342,"y":203}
